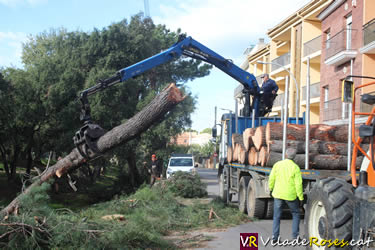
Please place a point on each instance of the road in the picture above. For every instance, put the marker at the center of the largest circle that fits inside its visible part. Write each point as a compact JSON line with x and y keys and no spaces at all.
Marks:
{"x":229,"y":239}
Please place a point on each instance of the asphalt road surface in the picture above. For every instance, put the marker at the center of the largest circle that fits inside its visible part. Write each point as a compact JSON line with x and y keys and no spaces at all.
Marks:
{"x":230,"y":238}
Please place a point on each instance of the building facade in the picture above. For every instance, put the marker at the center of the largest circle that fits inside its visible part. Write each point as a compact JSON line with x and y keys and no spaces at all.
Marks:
{"x":294,"y":42}
{"x":342,"y":23}
{"x":321,"y":44}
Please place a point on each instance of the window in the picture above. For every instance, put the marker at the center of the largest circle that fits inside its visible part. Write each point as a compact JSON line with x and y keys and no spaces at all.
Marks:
{"x":181,"y":162}
{"x":328,"y":37}
{"x":326,"y":92}
{"x":349,"y":32}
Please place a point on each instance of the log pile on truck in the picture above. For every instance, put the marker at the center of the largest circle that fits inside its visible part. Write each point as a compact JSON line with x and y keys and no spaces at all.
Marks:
{"x":263,"y":145}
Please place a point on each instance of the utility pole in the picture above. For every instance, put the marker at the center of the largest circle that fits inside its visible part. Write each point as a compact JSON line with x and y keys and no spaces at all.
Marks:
{"x":147,"y":8}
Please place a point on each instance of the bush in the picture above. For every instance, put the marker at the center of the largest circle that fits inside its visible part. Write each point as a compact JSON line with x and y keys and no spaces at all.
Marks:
{"x":187,"y":185}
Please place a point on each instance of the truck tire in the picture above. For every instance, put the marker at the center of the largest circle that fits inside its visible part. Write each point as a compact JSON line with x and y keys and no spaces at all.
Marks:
{"x":223,"y":186}
{"x":329,"y":210}
{"x":268,"y":213}
{"x":244,"y":181}
{"x":255,"y":206}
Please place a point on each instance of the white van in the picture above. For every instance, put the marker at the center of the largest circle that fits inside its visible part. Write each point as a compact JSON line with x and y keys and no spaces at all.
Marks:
{"x":180,"y":162}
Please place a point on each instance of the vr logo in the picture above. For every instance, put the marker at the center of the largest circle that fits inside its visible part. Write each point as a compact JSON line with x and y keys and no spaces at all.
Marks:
{"x":248,"y":241}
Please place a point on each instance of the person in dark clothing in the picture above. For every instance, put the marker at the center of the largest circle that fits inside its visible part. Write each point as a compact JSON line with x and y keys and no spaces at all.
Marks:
{"x":269,"y":88}
{"x":155,"y":170}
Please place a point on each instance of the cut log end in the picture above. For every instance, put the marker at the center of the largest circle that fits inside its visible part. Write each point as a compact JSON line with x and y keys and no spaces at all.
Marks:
{"x":175,"y":95}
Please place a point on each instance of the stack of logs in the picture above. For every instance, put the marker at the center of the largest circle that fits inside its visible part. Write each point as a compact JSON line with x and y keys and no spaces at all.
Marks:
{"x":263,"y":146}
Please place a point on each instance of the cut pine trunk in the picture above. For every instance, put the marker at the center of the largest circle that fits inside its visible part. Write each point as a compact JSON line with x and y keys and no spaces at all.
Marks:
{"x":247,"y":140}
{"x":319,"y":161}
{"x":253,"y":156}
{"x":243,"y":155}
{"x":316,"y":147}
{"x":235,"y":154}
{"x":259,"y":137}
{"x":229,"y":154}
{"x":263,"y":155}
{"x":236,"y":138}
{"x":274,"y":131}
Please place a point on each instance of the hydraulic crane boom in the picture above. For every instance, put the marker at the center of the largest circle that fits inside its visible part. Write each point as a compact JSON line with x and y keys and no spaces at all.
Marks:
{"x":189,"y":47}
{"x":186,"y":46}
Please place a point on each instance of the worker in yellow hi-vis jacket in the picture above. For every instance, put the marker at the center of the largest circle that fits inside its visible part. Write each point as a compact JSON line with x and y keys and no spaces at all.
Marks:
{"x":285,"y":183}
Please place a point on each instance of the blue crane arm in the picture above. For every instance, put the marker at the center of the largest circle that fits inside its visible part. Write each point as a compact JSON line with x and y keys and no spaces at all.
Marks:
{"x":185,"y":46}
{"x":188,"y":47}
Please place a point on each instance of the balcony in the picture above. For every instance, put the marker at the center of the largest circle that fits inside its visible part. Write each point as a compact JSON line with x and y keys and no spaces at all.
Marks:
{"x":312,"y":46}
{"x":259,"y":80}
{"x":368,"y":38}
{"x":314,"y":93}
{"x":335,"y":110}
{"x":339,"y":48}
{"x":280,"y":61}
{"x":278,"y":103}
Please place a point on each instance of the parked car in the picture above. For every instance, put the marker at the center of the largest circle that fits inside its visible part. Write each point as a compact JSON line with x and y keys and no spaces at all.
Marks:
{"x":180,"y":162}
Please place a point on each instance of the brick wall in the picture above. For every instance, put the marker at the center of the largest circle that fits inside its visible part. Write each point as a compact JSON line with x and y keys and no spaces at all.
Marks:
{"x":332,"y":76}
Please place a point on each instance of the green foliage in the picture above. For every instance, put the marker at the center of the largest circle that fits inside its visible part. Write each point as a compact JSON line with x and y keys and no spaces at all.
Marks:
{"x":149,"y":215}
{"x":207,"y":131}
{"x":40,"y":112}
{"x":204,"y":150}
{"x":187,"y":185}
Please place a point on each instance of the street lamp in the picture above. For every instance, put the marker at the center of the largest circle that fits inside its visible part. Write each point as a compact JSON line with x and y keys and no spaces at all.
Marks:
{"x":295,"y":82}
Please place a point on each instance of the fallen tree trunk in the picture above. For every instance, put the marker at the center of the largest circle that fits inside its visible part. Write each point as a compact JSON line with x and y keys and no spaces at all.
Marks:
{"x":152,"y":113}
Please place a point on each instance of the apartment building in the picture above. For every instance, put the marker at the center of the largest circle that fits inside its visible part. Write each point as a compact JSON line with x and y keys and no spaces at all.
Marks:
{"x":367,"y":49}
{"x":342,"y":23}
{"x":294,"y":42}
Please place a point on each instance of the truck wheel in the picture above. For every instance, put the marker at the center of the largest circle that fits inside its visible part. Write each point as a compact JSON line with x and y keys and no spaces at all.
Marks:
{"x":244,"y":181}
{"x":223,"y":186}
{"x":255,"y":206}
{"x":268,"y":213}
{"x":329,"y":210}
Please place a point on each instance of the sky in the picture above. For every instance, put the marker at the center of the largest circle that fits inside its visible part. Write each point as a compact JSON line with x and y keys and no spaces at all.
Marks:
{"x":227,"y":27}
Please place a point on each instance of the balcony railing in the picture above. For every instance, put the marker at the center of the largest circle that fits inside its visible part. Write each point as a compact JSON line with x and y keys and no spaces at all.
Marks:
{"x":369,"y":32}
{"x":280,"y":61}
{"x":279,"y":100}
{"x":312,"y":46}
{"x":335,"y":110}
{"x":259,"y":80}
{"x":340,"y":42}
{"x":314,"y":91}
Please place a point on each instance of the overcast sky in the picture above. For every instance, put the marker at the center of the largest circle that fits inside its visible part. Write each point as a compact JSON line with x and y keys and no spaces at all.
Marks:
{"x":227,"y":27}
